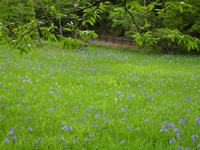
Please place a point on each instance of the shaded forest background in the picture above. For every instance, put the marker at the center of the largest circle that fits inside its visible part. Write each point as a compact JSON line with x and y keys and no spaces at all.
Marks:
{"x":112,"y":21}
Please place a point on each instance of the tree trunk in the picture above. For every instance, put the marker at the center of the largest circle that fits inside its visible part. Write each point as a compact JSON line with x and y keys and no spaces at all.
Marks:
{"x":60,"y":20}
{"x":144,"y":3}
{"x":39,"y":40}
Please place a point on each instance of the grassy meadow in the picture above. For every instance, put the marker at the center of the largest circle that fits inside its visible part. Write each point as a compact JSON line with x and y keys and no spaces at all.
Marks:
{"x":99,"y":98}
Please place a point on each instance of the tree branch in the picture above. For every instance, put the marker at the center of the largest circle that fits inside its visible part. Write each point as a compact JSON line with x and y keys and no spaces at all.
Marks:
{"x":97,"y":2}
{"x":28,"y":33}
{"x":126,"y":9}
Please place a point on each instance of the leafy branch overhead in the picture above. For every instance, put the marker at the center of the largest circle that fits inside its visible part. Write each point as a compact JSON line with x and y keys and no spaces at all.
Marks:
{"x":144,"y":23}
{"x":19,"y":36}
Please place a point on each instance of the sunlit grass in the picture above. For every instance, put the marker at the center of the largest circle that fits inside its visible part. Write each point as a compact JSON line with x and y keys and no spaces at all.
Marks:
{"x":98,"y":98}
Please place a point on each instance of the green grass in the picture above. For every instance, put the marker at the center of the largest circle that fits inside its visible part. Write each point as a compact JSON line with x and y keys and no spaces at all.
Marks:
{"x":105,"y":95}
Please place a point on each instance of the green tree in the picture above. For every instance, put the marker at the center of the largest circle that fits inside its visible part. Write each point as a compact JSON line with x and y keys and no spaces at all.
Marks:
{"x":148,"y":25}
{"x":127,"y":13}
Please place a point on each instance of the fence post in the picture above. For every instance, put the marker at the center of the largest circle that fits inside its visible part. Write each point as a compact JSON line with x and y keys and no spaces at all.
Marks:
{"x":113,"y":40}
{"x":130,"y":42}
{"x":121,"y":41}
{"x":106,"y":39}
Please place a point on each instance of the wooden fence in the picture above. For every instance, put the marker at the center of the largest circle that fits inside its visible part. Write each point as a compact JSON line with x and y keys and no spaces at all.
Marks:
{"x":113,"y":40}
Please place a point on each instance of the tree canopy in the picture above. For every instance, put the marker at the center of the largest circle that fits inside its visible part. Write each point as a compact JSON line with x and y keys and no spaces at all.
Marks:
{"x":149,"y":22}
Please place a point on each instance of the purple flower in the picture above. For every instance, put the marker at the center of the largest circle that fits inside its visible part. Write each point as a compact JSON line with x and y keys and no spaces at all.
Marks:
{"x":96,"y":116}
{"x":62,"y":124}
{"x":123,"y":118}
{"x":90,"y":134}
{"x":178,"y":135}
{"x":74,"y":141}
{"x":137,"y":129}
{"x":147,"y":120}
{"x":14,"y":137}
{"x":51,"y":110}
{"x":6,"y":140}
{"x":122,"y":142}
{"x":87,"y":139}
{"x":179,"y":147}
{"x":193,"y":137}
{"x":2,"y":116}
{"x":170,"y":142}
{"x":3,"y":105}
{"x":162,"y":129}
{"x":104,"y":112}
{"x":71,"y":128}
{"x":36,"y":143}
{"x":184,"y":121}
{"x":11,"y":131}
{"x":40,"y":139}
{"x":65,"y":128}
{"x":62,"y":138}
{"x":29,"y":129}
{"x":170,"y":125}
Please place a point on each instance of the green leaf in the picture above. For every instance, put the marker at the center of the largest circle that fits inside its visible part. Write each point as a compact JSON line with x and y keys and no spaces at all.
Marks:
{"x":147,"y":25}
{"x":66,"y":29}
{"x":180,"y":8}
{"x":151,"y":7}
{"x":54,"y":37}
{"x":93,"y":19}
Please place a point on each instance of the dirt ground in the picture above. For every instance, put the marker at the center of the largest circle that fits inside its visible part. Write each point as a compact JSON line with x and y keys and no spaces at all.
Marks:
{"x":111,"y":45}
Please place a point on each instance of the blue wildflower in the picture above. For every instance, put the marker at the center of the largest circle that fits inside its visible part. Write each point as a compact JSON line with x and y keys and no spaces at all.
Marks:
{"x":74,"y":141}
{"x":122,"y":142}
{"x":87,"y":139}
{"x":170,"y":142}
{"x":11,"y":131}
{"x":40,"y":139}
{"x":29,"y":129}
{"x":65,"y":128}
{"x":6,"y":140}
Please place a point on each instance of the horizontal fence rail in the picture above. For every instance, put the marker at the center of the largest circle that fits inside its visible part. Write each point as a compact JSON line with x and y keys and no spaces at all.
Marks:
{"x":120,"y":41}
{"x":112,"y":40}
